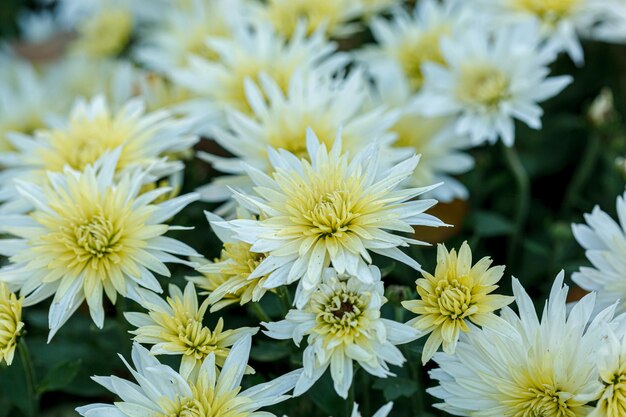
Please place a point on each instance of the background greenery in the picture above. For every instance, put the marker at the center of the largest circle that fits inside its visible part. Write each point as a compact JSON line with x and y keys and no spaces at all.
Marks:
{"x":571,"y":165}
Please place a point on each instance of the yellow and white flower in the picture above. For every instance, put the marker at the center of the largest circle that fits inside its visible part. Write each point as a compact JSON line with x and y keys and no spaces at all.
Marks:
{"x":329,"y":209}
{"x":10,"y":323}
{"x":175,"y":327}
{"x":457,"y":294}
{"x":343,"y":324}
{"x":604,"y":241}
{"x":91,"y":131}
{"x":541,"y":367}
{"x":227,"y":280}
{"x":280,"y":120}
{"x":612,"y":371}
{"x":250,"y":52}
{"x":89,"y":235}
{"x":162,"y":392}
{"x":485,"y":83}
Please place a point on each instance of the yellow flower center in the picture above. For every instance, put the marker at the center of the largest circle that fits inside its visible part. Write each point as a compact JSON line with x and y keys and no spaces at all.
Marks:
{"x":482,"y":84}
{"x":205,"y":402}
{"x":10,"y":322}
{"x":331,"y":216}
{"x":424,"y":47}
{"x":285,"y":14}
{"x":546,"y":401}
{"x":454,"y":299}
{"x":288,"y":132}
{"x":548,"y":10}
{"x":341,"y":314}
{"x":613,"y":400}
{"x":106,"y":33}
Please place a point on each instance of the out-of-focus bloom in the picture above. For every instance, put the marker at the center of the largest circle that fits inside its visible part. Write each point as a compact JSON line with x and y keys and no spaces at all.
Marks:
{"x":329,"y":209}
{"x":602,"y":110}
{"x":490,"y":79}
{"x":343,"y":324}
{"x":174,"y":327}
{"x":91,"y":131}
{"x":409,"y":40}
{"x":382,"y":411}
{"x":160,"y":391}
{"x":612,"y":370}
{"x":611,"y":21}
{"x":280,"y":120}
{"x":89,"y":235}
{"x":227,"y":279}
{"x":10,"y":323}
{"x":544,"y":368}
{"x":250,"y":52}
{"x":457,"y":294}
{"x":605,"y":243}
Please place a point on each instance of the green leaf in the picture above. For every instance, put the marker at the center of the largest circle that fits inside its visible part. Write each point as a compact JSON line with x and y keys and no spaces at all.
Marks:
{"x":269,"y":352}
{"x":394,"y":388}
{"x":487,"y":223}
{"x":60,"y":376}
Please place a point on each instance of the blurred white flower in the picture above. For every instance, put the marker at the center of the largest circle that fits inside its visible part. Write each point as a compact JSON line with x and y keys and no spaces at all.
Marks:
{"x":382,"y":411}
{"x":488,"y":80}
{"x":343,"y":324}
{"x":604,"y":241}
{"x":543,"y":368}
{"x":612,"y":370}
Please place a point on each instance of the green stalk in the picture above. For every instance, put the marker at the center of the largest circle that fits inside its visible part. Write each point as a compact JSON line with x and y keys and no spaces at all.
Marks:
{"x":31,"y":377}
{"x":523,"y":200}
{"x":259,"y":312}
{"x":285,"y":298}
{"x":583,"y":172}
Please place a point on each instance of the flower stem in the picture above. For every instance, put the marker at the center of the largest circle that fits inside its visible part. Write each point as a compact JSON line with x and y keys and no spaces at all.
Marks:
{"x":285,"y":298}
{"x":582,"y":173}
{"x":259,"y":312}
{"x":523,"y":200}
{"x":31,"y":377}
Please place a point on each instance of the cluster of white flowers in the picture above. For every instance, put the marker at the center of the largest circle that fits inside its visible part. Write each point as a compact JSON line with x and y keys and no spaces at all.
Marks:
{"x":329,"y":157}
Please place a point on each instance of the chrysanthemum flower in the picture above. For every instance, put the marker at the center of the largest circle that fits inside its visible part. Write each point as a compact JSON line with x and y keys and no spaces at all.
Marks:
{"x":540,"y":368}
{"x":280,"y":120}
{"x":486,"y":83}
{"x":250,"y":52}
{"x":382,"y":411}
{"x":175,"y":327}
{"x":612,"y":370}
{"x":10,"y":323}
{"x":457,"y":294}
{"x":227,"y":279}
{"x":89,"y":235}
{"x":91,"y":131}
{"x":343,"y":324}
{"x":605,"y":243}
{"x":331,"y":210}
{"x":162,"y":392}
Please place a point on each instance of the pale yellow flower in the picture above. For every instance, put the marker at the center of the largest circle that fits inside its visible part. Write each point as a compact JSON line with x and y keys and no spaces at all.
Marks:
{"x":106,"y":33}
{"x":10,"y":323}
{"x":455,"y":295}
{"x":175,"y":327}
{"x":612,"y":371}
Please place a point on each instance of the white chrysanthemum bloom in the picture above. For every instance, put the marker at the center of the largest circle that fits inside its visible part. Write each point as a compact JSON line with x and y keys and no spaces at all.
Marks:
{"x":343,"y":324}
{"x":542,"y":367}
{"x":250,"y":52}
{"x":280,"y":120}
{"x":434,"y":138}
{"x":89,"y":235}
{"x":184,"y":30}
{"x":162,"y":392}
{"x":612,"y":370}
{"x":174,"y":327}
{"x":561,"y":21}
{"x":227,"y":279}
{"x":39,"y":26}
{"x":92,"y":130}
{"x":488,"y":80}
{"x":382,"y":411}
{"x":611,"y":21}
{"x":370,"y":7}
{"x":410,"y":40}
{"x":604,"y":241}
{"x":329,"y":209}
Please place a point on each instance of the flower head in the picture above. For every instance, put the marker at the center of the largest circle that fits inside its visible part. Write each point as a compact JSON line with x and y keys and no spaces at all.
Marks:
{"x":162,"y":392}
{"x":458,"y":293}
{"x":612,"y":371}
{"x":486,"y":84}
{"x":329,"y":209}
{"x":175,"y":327}
{"x":227,"y":279}
{"x":541,"y":367}
{"x":10,"y":323}
{"x":343,"y":324}
{"x":604,"y":240}
{"x":89,"y":235}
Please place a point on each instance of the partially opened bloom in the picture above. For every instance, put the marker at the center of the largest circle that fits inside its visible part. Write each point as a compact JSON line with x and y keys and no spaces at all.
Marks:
{"x":92,"y":130}
{"x":343,"y":324}
{"x":541,"y":367}
{"x":89,"y":235}
{"x":174,"y":326}
{"x":489,"y":79}
{"x":10,"y":323}
{"x":612,"y":370}
{"x":604,"y":240}
{"x":162,"y":392}
{"x":227,"y":279}
{"x":329,"y":209}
